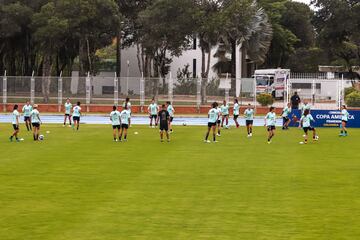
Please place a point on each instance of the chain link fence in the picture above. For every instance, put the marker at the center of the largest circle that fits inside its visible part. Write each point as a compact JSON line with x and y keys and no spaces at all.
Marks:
{"x":317,"y":89}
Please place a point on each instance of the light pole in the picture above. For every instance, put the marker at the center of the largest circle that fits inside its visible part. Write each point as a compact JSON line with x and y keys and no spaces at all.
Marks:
{"x":127,"y":77}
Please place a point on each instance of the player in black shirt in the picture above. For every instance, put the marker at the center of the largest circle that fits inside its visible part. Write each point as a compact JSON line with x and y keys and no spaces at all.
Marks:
{"x":163,"y":118}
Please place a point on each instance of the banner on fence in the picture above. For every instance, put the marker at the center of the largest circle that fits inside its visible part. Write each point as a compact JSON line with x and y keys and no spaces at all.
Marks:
{"x":329,"y":118}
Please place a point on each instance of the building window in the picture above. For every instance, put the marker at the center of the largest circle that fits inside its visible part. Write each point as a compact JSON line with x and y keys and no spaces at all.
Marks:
{"x":194,"y":68}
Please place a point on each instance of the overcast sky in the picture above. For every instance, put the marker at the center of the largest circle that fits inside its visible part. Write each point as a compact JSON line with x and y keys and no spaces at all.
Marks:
{"x":304,"y":1}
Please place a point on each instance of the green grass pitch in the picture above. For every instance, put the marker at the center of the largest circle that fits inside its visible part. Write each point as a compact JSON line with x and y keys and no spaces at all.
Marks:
{"x":82,"y":186}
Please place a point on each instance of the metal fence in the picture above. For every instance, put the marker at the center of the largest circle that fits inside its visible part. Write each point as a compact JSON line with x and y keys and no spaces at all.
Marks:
{"x":318,"y":89}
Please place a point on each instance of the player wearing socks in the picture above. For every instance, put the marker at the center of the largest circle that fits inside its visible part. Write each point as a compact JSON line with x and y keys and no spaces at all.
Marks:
{"x":344,"y":120}
{"x":236,"y":112}
{"x":26,"y":110}
{"x":76,"y":116}
{"x":153,"y":112}
{"x":270,"y":122}
{"x":15,"y":123}
{"x":285,"y":115}
{"x":163,"y":118}
{"x":225,"y":114}
{"x":35,"y":121}
{"x":171,"y":112}
{"x":305,"y":122}
{"x":127,"y":103}
{"x":115,"y":122}
{"x":67,"y":115}
{"x":213,"y":116}
{"x":218,"y":121}
{"x":125,"y":116}
{"x":249,"y":119}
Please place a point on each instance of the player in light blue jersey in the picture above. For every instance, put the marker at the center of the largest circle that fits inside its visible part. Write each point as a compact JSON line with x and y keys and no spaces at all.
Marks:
{"x":225,"y":114}
{"x":125,"y":116}
{"x":153,"y":110}
{"x":115,"y":122}
{"x":35,"y":121}
{"x":15,"y":123}
{"x":236,"y":112}
{"x":249,"y":119}
{"x":76,"y":116}
{"x":285,"y":115}
{"x":26,"y":110}
{"x":270,"y":122}
{"x":68,"y":107}
{"x":218,"y":121}
{"x":171,"y":112}
{"x":305,"y":123}
{"x":305,"y":106}
{"x":344,"y":120}
{"x":213,"y":116}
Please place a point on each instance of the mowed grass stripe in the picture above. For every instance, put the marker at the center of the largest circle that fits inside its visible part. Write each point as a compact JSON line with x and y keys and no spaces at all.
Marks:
{"x":81,"y":185}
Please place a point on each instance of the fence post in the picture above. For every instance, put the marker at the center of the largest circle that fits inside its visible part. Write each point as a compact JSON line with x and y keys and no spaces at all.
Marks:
{"x":198,"y":92}
{"x":142,"y":92}
{"x":254,"y":79}
{"x":60,"y":91}
{"x":227,"y":89}
{"x":313,"y":91}
{"x":342,"y":91}
{"x":4,"y":91}
{"x":32,"y":88}
{"x":116,"y":90}
{"x":88,"y":91}
{"x":170,"y":88}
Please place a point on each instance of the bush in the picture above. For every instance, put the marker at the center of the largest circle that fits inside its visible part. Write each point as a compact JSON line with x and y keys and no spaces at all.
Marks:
{"x":265,"y":99}
{"x":353,"y":99}
{"x":349,"y":90}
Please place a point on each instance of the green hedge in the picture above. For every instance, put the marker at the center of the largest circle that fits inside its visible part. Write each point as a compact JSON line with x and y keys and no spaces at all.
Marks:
{"x":265,"y":99}
{"x":353,"y":99}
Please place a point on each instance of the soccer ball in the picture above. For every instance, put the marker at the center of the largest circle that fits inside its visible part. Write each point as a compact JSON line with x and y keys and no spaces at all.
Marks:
{"x":41,"y":137}
{"x":316,"y":137}
{"x":184,"y":123}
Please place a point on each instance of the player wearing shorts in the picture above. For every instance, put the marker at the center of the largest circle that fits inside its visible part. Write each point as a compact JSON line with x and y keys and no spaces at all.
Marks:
{"x":153,"y":110}
{"x":67,"y":115}
{"x":26,"y":110}
{"x":249,"y":119}
{"x":270,"y":122}
{"x":127,"y":103}
{"x":236,"y":112}
{"x":305,"y":122}
{"x":344,"y":120}
{"x":15,"y":123}
{"x":76,"y":116}
{"x":285,"y":115}
{"x":213,"y":116}
{"x":125,"y":116}
{"x":171,"y":112}
{"x":218,"y":121}
{"x":35,"y":121}
{"x":115,"y":122}
{"x":225,"y":114}
{"x":163,"y":119}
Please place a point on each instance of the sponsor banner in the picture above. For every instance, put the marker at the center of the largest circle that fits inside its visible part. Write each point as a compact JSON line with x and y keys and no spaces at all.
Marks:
{"x":328,"y":118}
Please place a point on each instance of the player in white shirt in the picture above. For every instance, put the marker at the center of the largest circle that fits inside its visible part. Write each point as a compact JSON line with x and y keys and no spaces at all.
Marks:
{"x":171,"y":112}
{"x":76,"y":116}
{"x":270,"y":123}
{"x":127,"y":103}
{"x":305,"y":123}
{"x":285,"y":115}
{"x":26,"y":110}
{"x":218,"y":122}
{"x":67,"y":114}
{"x":15,"y":123}
{"x":115,"y":122}
{"x":36,"y":122}
{"x":125,"y":122}
{"x":236,"y":112}
{"x":344,"y":120}
{"x":153,"y":110}
{"x":225,"y":114}
{"x":249,"y":119}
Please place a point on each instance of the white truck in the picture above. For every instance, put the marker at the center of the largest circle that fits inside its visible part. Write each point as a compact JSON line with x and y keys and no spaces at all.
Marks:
{"x":271,"y":81}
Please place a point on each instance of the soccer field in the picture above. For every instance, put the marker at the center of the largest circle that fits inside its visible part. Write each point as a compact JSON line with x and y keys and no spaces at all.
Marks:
{"x":82,"y":185}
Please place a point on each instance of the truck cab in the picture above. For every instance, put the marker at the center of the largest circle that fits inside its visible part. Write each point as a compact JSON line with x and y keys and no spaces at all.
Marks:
{"x":272,"y":81}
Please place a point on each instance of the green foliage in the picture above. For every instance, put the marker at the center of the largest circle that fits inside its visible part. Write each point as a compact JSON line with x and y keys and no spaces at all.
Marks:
{"x":349,"y":90}
{"x":353,"y":99}
{"x":185,"y":85}
{"x":265,"y":99}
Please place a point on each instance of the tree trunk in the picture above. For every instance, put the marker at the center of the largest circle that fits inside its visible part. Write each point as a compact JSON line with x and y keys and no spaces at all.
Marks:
{"x":82,"y":70}
{"x":46,"y":77}
{"x":118,"y":54}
